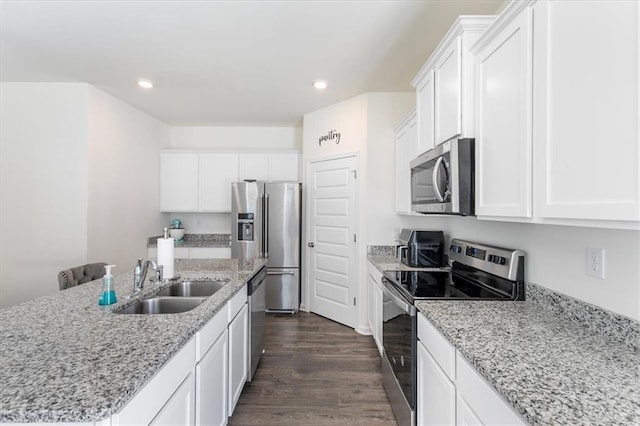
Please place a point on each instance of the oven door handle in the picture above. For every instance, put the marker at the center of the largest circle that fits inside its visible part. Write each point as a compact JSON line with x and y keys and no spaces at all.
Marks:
{"x":393,"y":294}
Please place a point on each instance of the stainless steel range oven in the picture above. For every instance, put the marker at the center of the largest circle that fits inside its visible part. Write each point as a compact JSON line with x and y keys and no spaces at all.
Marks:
{"x":399,"y":363}
{"x":477,"y":272}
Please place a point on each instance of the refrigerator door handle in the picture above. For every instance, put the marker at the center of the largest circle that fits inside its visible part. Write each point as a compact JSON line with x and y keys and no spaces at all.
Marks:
{"x":265,"y":224}
{"x":280,"y":273}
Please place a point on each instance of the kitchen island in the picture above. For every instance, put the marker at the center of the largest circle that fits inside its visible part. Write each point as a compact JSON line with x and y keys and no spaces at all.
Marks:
{"x":65,"y":359}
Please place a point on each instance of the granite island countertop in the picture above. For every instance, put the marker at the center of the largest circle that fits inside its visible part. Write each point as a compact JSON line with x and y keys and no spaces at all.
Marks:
{"x":556,"y":360}
{"x":63,"y":358}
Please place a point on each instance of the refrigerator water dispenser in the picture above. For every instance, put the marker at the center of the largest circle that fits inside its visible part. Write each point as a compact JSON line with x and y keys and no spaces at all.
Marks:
{"x":245,"y":226}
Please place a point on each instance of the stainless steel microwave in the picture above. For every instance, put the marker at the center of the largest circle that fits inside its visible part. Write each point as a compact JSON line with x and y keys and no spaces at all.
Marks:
{"x":442,"y":179}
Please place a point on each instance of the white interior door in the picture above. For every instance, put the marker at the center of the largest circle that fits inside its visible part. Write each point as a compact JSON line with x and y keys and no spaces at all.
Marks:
{"x":331,"y":248}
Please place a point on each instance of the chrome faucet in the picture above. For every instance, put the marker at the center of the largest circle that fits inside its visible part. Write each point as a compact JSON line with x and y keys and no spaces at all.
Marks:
{"x":140,"y":273}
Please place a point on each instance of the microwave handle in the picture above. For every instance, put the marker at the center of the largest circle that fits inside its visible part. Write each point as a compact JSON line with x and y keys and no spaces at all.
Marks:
{"x":434,"y":178}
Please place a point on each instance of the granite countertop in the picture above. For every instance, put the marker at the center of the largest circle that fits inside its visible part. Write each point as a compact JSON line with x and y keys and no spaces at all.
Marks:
{"x":63,"y":358}
{"x":551,"y":369}
{"x":197,"y":240}
{"x":555,"y":359}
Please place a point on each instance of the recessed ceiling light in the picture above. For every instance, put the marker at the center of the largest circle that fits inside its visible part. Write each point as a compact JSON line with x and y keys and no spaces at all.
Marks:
{"x":147,"y":84}
{"x":320,"y":84}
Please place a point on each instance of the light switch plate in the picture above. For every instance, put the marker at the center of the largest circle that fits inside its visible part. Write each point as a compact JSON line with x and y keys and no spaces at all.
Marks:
{"x":595,"y":262}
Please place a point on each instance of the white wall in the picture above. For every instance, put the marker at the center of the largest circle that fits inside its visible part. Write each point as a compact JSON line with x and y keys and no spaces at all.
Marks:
{"x":556,"y":256}
{"x":385,"y":111}
{"x":366,"y":125}
{"x":191,"y":137}
{"x":124,"y":176}
{"x":43,"y":216}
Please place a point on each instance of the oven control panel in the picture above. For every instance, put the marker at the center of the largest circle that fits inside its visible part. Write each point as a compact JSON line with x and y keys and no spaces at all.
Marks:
{"x":499,"y":261}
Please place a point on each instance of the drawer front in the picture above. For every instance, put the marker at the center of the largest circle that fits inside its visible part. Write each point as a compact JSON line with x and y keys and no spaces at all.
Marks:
{"x":438,"y":346}
{"x":208,"y":334}
{"x":237,"y":302}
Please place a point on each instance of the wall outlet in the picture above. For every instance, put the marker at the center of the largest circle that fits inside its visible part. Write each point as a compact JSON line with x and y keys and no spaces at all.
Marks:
{"x":595,"y":262}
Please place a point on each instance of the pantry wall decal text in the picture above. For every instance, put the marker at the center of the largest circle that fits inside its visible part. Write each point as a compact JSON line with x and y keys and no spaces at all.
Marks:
{"x":333,"y":135}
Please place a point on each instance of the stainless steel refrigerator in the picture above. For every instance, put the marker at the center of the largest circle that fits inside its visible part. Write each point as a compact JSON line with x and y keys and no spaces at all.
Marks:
{"x":265,"y":222}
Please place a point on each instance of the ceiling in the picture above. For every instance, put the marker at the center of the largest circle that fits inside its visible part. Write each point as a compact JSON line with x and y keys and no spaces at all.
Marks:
{"x":238,"y":63}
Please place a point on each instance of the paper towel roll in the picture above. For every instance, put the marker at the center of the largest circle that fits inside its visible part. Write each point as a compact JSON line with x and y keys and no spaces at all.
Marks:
{"x":165,"y":256}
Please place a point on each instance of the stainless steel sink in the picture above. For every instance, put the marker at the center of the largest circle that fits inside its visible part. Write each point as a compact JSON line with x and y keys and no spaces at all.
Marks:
{"x":193,"y":288}
{"x":163,"y":305}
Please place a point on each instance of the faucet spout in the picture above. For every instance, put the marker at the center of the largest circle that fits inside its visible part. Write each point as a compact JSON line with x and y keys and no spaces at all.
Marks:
{"x":140,"y":273}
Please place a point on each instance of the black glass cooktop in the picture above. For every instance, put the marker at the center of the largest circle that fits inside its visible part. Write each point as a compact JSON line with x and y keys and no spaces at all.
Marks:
{"x":459,"y":283}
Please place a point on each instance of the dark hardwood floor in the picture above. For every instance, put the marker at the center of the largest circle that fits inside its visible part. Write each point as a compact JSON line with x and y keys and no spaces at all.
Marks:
{"x":314,"y":372}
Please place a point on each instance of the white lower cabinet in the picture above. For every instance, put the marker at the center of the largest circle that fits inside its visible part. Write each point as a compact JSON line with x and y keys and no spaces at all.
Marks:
{"x":374,"y":305}
{"x":201,"y":384}
{"x":179,"y":409}
{"x":436,"y":392}
{"x":211,"y":384}
{"x":238,"y":356}
{"x":450,"y":391}
{"x":464,"y":414}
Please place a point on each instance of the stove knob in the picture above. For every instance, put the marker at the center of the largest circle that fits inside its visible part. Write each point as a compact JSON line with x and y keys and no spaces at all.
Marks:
{"x":502,"y":260}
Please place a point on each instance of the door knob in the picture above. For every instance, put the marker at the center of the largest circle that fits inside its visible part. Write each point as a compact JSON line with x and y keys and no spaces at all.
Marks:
{"x":311,"y":244}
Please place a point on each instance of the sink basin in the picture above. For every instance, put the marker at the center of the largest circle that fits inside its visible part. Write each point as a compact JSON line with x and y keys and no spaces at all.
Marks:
{"x":193,"y":288}
{"x":163,"y":305}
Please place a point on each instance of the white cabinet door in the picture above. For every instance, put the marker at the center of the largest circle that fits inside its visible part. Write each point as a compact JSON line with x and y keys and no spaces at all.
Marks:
{"x":179,"y":410}
{"x":436,"y":394}
{"x":586,"y":110}
{"x":448,"y":93}
{"x":503,"y":128}
{"x":284,"y":168}
{"x":425,"y":111}
{"x":406,"y":137}
{"x":464,"y":414}
{"x":217,"y":171}
{"x":238,"y":356}
{"x":178,"y":182}
{"x":211,"y":384}
{"x":377,"y":300}
{"x":253,"y":166}
{"x":375,"y":304}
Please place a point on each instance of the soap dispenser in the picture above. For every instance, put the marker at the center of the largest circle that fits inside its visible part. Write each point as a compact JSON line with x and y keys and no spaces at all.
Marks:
{"x":108,"y":292}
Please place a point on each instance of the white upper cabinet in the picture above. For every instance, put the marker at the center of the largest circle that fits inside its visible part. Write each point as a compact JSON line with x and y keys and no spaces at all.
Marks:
{"x":270,"y":167}
{"x":503,"y":112}
{"x":284,"y":167}
{"x":406,"y":142}
{"x":217,"y":171}
{"x":425,"y":107}
{"x":201,"y":181}
{"x":557,"y":109}
{"x":585,"y":110}
{"x":178,"y":182}
{"x":445,"y":85}
{"x":253,"y":166}
{"x":448,"y":93}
